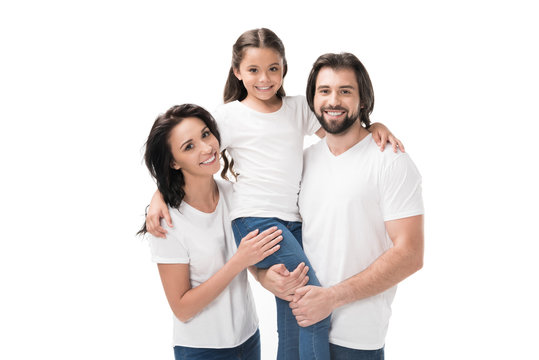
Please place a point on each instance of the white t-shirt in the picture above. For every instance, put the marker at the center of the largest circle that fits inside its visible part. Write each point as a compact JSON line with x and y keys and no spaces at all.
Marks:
{"x":268,"y":153}
{"x":344,"y":202}
{"x":205,"y":241}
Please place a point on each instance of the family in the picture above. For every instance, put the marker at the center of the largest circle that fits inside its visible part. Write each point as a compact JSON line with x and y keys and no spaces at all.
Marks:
{"x":330,"y":230}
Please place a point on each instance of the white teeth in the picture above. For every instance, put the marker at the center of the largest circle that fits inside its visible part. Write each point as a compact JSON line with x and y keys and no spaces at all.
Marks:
{"x":333,"y":113}
{"x":209,"y":160}
{"x":263,"y":88}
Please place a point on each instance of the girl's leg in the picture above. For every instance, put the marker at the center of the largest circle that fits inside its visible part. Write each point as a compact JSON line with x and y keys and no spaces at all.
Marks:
{"x":294,"y":342}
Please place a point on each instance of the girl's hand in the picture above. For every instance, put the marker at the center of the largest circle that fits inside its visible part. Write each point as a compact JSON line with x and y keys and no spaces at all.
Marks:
{"x":382,"y":135}
{"x":256,"y":247}
{"x":157,"y":210}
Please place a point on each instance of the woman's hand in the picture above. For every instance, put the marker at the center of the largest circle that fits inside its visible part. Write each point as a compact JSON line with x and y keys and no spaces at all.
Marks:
{"x":282,"y":283}
{"x":256,"y":247}
{"x":382,"y":135}
{"x":157,"y":210}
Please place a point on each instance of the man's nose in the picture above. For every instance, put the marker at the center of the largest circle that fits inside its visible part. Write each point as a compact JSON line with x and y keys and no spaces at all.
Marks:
{"x":334,"y":99}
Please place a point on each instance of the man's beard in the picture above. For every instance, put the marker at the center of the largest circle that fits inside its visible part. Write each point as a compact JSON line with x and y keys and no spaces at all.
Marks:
{"x":336,"y":127}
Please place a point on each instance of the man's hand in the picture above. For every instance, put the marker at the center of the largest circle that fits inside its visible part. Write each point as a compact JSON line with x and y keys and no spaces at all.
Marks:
{"x":312,"y":304}
{"x":282,"y":283}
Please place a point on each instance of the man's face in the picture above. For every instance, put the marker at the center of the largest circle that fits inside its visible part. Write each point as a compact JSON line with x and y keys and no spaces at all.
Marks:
{"x":336,"y":99}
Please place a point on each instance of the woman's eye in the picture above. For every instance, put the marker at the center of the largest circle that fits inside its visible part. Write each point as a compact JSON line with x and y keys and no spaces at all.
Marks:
{"x":273,"y":69}
{"x":205,"y":134}
{"x":253,"y":70}
{"x":189,"y":147}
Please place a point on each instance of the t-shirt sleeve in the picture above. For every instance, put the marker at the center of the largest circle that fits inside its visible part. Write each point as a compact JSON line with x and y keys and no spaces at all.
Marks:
{"x":400,"y":190}
{"x":170,"y":250}
{"x":220,"y":116}
{"x":310,"y":122}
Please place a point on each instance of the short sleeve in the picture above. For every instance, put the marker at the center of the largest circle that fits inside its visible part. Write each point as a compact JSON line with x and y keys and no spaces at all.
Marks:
{"x":170,"y":250}
{"x":400,"y":189}
{"x":220,"y":116}
{"x":310,"y":122}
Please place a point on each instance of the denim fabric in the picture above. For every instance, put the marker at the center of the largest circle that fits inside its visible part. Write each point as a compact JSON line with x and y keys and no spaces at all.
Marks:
{"x":343,"y":353}
{"x":249,"y":350}
{"x":295,"y":342}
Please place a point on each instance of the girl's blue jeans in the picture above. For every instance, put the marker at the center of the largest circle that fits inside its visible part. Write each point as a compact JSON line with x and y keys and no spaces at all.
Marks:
{"x":295,"y":342}
{"x":249,"y":350}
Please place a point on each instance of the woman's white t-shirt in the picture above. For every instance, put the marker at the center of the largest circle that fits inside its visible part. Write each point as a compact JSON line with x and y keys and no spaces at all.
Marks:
{"x":205,"y":241}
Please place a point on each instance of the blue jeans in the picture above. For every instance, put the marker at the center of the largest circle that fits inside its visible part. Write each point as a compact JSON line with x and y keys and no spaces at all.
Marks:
{"x":295,"y":342}
{"x":249,"y":350}
{"x":344,"y":353}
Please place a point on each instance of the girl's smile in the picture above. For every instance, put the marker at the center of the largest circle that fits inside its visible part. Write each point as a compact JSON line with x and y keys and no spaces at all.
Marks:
{"x":261,"y":71}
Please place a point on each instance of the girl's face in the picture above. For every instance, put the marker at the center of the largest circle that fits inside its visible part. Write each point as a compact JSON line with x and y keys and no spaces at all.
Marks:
{"x":194,"y":148}
{"x":261,"y":71}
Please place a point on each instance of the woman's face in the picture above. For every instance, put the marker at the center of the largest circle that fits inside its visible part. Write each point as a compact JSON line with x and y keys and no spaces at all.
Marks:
{"x":194,"y":148}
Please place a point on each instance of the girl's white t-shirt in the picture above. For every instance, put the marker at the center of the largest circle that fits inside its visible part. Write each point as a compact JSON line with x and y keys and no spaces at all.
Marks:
{"x":205,"y":241}
{"x":268,"y":155}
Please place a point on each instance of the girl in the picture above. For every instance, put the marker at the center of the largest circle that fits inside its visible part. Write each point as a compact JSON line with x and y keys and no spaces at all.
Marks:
{"x":203,"y":275}
{"x":263,"y":131}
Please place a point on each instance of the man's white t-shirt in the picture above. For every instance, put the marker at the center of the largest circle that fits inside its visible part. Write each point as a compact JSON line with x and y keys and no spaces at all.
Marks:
{"x":267,"y":149}
{"x":205,"y":241}
{"x":344,"y":202}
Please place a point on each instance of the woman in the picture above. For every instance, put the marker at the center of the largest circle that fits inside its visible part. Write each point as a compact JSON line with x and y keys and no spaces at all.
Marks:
{"x":202,"y":272}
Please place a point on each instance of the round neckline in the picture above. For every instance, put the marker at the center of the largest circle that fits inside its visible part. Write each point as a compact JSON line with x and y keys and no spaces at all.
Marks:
{"x":200,"y":212}
{"x":281,"y":109}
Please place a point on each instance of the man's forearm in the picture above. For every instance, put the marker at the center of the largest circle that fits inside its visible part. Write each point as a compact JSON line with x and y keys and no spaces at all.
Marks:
{"x":387,"y":271}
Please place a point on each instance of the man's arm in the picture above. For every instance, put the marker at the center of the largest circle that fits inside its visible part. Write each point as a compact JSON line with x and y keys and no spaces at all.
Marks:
{"x":312,"y":304}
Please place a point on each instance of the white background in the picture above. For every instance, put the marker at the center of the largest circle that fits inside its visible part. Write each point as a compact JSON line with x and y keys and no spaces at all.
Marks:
{"x":81,"y":83}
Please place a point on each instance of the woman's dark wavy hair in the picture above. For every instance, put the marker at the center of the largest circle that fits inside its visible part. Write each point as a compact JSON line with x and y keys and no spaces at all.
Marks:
{"x":158,"y":154}
{"x":257,"y":38}
{"x":345,"y":61}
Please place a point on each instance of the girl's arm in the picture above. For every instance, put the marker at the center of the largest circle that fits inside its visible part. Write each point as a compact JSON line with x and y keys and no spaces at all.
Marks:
{"x":156,"y":211}
{"x":186,"y":302}
{"x":382,"y":135}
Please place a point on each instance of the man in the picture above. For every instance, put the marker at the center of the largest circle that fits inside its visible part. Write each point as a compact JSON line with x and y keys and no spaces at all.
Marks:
{"x":362,"y":214}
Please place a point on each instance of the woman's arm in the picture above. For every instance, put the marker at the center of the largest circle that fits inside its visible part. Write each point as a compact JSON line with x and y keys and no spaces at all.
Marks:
{"x":156,"y":211}
{"x":186,"y":302}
